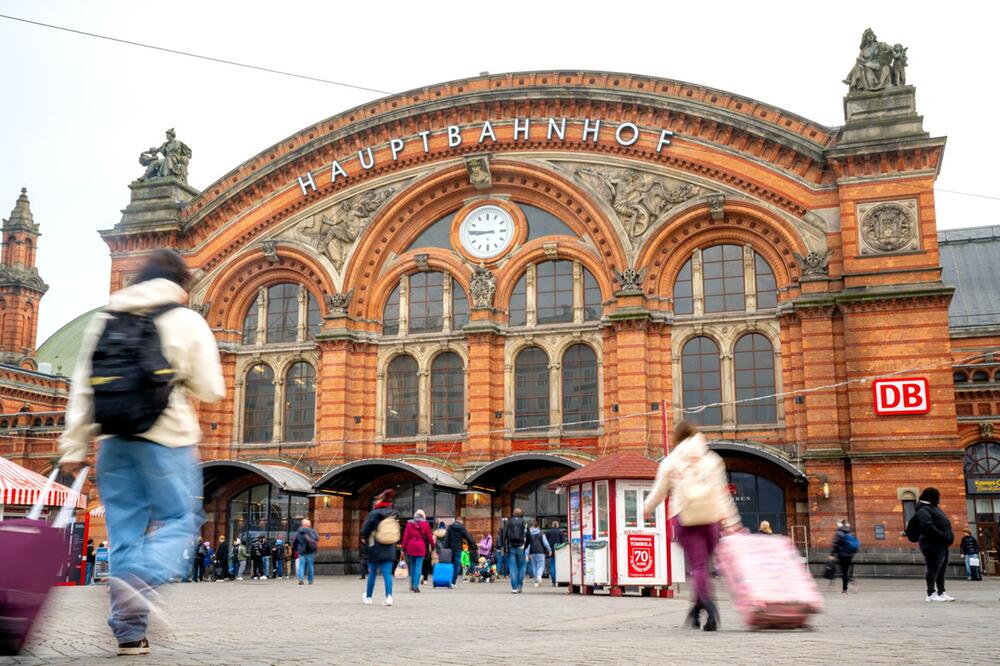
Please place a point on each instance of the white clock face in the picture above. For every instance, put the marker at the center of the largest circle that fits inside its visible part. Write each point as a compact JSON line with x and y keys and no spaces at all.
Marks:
{"x":486,"y":232}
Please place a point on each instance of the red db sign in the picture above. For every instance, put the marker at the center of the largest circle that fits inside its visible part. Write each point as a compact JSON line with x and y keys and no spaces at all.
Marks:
{"x":901,"y":396}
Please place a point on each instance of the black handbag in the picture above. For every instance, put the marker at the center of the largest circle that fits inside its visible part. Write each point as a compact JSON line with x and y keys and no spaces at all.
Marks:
{"x":829,"y":572}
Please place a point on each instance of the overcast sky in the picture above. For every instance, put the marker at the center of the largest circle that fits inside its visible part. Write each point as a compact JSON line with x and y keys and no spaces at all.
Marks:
{"x":76,"y":111}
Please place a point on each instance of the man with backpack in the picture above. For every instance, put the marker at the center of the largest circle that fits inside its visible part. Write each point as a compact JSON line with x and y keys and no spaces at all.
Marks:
{"x":140,"y":359}
{"x":931,"y":529}
{"x":380,"y":534}
{"x":454,"y":537}
{"x":845,"y":547}
{"x":515,"y":535}
{"x":305,"y":543}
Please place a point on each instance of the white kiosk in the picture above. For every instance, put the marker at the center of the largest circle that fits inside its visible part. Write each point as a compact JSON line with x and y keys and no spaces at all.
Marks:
{"x":611,"y":543}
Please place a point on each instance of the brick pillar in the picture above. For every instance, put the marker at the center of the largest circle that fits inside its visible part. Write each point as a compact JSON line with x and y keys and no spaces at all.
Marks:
{"x":485,"y":382}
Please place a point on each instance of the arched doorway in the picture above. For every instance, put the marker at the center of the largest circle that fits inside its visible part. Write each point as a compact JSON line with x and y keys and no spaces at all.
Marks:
{"x":982,"y":488}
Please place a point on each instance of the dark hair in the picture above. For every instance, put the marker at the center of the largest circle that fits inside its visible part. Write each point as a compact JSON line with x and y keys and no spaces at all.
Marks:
{"x":682,"y":431}
{"x":165,"y":263}
{"x":931,"y":495}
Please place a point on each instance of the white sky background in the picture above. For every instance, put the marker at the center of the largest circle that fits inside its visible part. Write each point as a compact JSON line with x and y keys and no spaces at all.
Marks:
{"x":76,"y":111}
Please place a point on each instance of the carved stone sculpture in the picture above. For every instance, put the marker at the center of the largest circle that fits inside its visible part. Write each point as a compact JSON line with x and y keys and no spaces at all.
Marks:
{"x":482,"y":286}
{"x":202,"y":308}
{"x":889,"y":226}
{"x":173,"y":164}
{"x":270,"y":248}
{"x":985,"y":429}
{"x":336,"y":304}
{"x":638,"y":198}
{"x":339,"y":229}
{"x":630,"y":279}
{"x":814,"y":264}
{"x":878,"y":65}
{"x":478,"y":167}
{"x":422,"y":261}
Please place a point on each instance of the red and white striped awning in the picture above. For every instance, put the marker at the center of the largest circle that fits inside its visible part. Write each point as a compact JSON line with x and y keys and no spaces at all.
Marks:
{"x":97,"y":511}
{"x":22,"y":486}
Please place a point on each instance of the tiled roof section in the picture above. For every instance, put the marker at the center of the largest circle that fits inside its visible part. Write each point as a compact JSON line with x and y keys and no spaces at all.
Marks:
{"x":970,"y":262}
{"x":618,"y":466}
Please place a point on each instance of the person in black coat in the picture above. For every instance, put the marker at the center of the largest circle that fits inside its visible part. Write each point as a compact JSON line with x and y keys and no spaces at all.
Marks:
{"x":843,"y":551}
{"x":222,"y":559}
{"x":931,"y":529}
{"x":453,"y":538}
{"x":555,"y":536}
{"x":381,"y":556}
{"x":968,"y":546}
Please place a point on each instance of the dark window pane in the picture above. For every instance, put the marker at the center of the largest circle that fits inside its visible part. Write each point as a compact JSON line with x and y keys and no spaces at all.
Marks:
{"x":283,"y":313}
{"x":543,"y":223}
{"x":767,"y":286}
{"x":701,"y":381}
{"x":579,"y":388}
{"x":447,"y":394}
{"x":401,"y":402}
{"x":438,"y":234}
{"x":531,"y":389}
{"x":258,"y":405}
{"x":753,"y":361}
{"x":250,"y":325}
{"x":980,"y":376}
{"x":426,"y":302}
{"x":390,"y":314}
{"x":554,"y":292}
{"x":683,"y":291}
{"x":723,"y":272}
{"x":314,"y":318}
{"x":519,"y":303}
{"x":591,"y":297}
{"x":459,"y":306}
{"x":300,"y":403}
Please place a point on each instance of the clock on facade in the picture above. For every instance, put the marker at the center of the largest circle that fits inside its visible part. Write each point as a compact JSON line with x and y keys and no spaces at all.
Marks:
{"x":486,"y":231}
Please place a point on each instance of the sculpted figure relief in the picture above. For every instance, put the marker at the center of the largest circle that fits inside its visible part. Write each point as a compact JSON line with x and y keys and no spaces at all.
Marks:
{"x":335,"y":231}
{"x":878,"y":66}
{"x":174,"y":163}
{"x":482,"y":287}
{"x":638,"y":198}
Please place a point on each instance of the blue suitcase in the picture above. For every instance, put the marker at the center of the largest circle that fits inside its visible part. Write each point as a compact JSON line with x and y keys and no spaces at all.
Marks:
{"x":443,"y":571}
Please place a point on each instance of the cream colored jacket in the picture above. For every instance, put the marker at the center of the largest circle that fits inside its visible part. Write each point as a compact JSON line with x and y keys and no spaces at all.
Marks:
{"x":692,"y":451}
{"x":189,"y":347}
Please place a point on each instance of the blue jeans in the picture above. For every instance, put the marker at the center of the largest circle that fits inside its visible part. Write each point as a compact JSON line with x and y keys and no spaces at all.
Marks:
{"x":307,"y":562}
{"x":142,"y":483}
{"x":89,"y":578}
{"x":279,"y":567}
{"x":516,"y":564}
{"x":538,"y":565}
{"x":267,"y":566}
{"x":385,"y":568}
{"x":456,"y":567}
{"x":552,"y":570}
{"x":416,"y":565}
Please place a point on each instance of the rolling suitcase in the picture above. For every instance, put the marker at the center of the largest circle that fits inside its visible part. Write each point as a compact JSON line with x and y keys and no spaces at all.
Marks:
{"x":768,"y":581}
{"x":33,"y":550}
{"x":443,"y":571}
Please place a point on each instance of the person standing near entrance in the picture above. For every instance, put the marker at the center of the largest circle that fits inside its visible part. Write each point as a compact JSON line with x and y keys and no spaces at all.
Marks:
{"x":969,"y":547}
{"x":148,"y":472}
{"x":278,"y":553}
{"x":241,"y":557}
{"x":380,"y":532}
{"x":265,"y":557}
{"x":305,"y":544}
{"x":514,"y":538}
{"x":930,"y":528}
{"x":222,"y":558}
{"x":417,"y":542}
{"x":555,"y":536}
{"x":845,"y":547}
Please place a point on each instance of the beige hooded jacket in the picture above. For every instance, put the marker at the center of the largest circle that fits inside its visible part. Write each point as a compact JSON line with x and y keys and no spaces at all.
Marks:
{"x":189,"y":346}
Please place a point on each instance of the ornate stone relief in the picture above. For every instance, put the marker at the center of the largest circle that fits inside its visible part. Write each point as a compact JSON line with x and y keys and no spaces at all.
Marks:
{"x":336,"y":304}
{"x":482,"y":286}
{"x":630,"y":279}
{"x":814,"y":264}
{"x":878,"y":65}
{"x":202,"y":308}
{"x":478,"y":167}
{"x":985,"y":429}
{"x":888,"y":226}
{"x":638,"y":198}
{"x":270,"y":249}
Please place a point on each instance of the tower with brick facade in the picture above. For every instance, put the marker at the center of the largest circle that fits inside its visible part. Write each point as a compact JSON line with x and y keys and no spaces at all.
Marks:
{"x":21,"y":288}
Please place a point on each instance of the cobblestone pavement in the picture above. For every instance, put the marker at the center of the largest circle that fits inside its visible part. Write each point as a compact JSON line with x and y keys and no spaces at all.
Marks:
{"x":278,"y":622}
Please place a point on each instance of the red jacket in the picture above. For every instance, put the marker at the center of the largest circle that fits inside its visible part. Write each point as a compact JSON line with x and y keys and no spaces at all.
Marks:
{"x":416,"y":535}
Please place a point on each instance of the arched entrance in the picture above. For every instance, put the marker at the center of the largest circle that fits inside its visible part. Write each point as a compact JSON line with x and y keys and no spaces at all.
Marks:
{"x":982,"y":488}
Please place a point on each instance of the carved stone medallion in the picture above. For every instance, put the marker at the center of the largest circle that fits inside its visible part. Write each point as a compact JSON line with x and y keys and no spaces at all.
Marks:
{"x":482,"y":286}
{"x":888,"y":226}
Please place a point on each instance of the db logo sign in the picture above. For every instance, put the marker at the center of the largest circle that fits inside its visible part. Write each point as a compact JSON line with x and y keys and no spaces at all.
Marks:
{"x":901,"y":396}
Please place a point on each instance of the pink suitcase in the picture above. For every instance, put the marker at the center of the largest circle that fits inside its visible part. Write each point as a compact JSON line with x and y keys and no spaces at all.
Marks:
{"x":768,"y":581}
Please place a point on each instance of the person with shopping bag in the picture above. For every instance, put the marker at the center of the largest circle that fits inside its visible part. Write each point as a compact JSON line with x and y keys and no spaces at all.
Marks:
{"x":141,"y":357}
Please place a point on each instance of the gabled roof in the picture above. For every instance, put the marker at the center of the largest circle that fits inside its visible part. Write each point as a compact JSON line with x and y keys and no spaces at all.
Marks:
{"x":970,"y":262}
{"x":618,"y":466}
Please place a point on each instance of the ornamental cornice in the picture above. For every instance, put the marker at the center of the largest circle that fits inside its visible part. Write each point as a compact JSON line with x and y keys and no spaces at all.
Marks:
{"x":870,"y":299}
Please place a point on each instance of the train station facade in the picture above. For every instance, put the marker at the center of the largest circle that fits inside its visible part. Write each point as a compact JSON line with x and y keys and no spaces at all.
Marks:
{"x":467,"y":290}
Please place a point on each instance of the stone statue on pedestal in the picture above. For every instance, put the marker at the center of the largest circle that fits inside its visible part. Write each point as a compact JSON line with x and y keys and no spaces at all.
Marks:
{"x":174,"y":163}
{"x":878,"y":65}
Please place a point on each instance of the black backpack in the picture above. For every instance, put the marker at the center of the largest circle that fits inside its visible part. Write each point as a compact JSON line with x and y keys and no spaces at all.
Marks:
{"x":515,"y":531}
{"x":130,"y":377}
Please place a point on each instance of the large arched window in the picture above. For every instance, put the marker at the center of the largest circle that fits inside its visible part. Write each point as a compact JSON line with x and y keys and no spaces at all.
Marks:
{"x":531,"y":389}
{"x":424,"y":297}
{"x":579,"y":388}
{"x":402,"y":402}
{"x":702,"y":380}
{"x":283,"y":308}
{"x":753,"y":362}
{"x":539,"y":502}
{"x":258,"y":404}
{"x":722,"y":267}
{"x":558,"y":299}
{"x":300,"y":403}
{"x":982,"y":459}
{"x":721,"y":278}
{"x":447,"y":394}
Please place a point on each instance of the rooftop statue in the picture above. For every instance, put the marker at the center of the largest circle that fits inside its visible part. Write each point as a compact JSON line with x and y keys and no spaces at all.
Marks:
{"x":878,"y":67}
{"x":173,"y":164}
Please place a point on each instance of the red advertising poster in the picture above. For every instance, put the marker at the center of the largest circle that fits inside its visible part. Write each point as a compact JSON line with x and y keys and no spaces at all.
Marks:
{"x":641,"y":552}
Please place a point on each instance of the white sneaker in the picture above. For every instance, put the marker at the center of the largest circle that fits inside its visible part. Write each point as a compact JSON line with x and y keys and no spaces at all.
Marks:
{"x":536,"y":584}
{"x":367,"y":600}
{"x":934,"y":597}
{"x":387,"y":602}
{"x":944,"y":596}
{"x":239,"y":578}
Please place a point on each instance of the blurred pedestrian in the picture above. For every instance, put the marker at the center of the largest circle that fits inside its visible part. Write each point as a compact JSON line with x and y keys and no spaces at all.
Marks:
{"x":200,"y":555}
{"x":538,"y":549}
{"x":515,"y":536}
{"x":91,"y":560}
{"x":278,"y":553}
{"x":695,"y":479}
{"x":140,"y":359}
{"x":844,"y":547}
{"x":265,"y":557}
{"x":380,"y":533}
{"x":555,"y":536}
{"x":305,"y":544}
{"x":931,"y":529}
{"x":416,"y":544}
{"x":969,"y":547}
{"x":242,"y":555}
{"x":455,"y":536}
{"x":222,"y":559}
{"x":256,"y":563}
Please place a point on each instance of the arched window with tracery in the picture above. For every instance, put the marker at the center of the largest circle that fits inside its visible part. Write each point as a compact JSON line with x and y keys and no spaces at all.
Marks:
{"x":300,"y":403}
{"x":563,"y":292}
{"x":579,"y":388}
{"x":426,"y":294}
{"x":554,"y":292}
{"x":718,"y":282}
{"x":447,"y":394}
{"x":702,"y":380}
{"x":402,"y":399}
{"x":258,"y":404}
{"x":289,"y":312}
{"x":424,"y":297}
{"x":753,"y":363}
{"x":531,"y":389}
{"x":282,"y":313}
